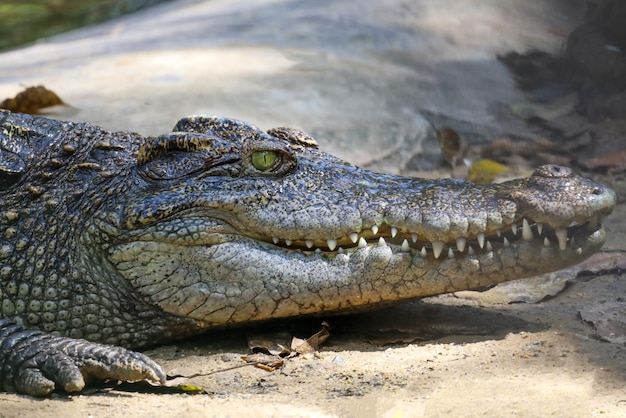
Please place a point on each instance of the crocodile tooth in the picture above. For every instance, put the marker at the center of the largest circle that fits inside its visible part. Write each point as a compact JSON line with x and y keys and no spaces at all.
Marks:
{"x":414,"y":237}
{"x":381,"y":241}
{"x":450,"y":253}
{"x":340,"y":250}
{"x":332,"y":244}
{"x":354,"y":237}
{"x":470,"y":250}
{"x":460,"y":244}
{"x":405,"y":246}
{"x":489,"y":247}
{"x":308,"y":243}
{"x":505,"y":242}
{"x":499,"y":233}
{"x":437,"y":248}
{"x":579,"y":250}
{"x":275,"y":240}
{"x":527,"y":233}
{"x":423,"y":252}
{"x":375,"y":229}
{"x":362,"y":243}
{"x":539,"y":228}
{"x":561,"y":235}
{"x":394,"y":231}
{"x":514,"y":229}
{"x":481,"y":239}
{"x":318,"y":251}
{"x":288,"y":242}
{"x":546,"y":242}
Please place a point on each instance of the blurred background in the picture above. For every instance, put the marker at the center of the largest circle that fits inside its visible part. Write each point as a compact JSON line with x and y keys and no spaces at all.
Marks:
{"x":423,"y":87}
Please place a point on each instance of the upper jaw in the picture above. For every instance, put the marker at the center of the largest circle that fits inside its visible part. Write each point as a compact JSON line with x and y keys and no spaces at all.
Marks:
{"x":526,"y":219}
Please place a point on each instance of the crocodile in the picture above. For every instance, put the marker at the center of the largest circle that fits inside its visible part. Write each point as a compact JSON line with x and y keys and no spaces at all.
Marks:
{"x":110,"y":242}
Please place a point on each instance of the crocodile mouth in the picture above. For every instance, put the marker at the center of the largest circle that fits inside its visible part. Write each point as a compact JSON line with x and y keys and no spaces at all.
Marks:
{"x":572,"y":237}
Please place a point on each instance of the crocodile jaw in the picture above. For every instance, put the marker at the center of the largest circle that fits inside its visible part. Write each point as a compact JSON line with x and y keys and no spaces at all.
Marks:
{"x":243,"y":280}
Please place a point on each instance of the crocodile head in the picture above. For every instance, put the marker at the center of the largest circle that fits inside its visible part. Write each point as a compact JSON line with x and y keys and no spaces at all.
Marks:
{"x":224,"y":223}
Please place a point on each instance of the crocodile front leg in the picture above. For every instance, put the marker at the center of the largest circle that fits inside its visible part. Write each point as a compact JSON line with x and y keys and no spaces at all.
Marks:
{"x":35,"y":363}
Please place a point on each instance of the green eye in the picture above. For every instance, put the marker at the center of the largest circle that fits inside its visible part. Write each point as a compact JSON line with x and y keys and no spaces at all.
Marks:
{"x":264,"y":160}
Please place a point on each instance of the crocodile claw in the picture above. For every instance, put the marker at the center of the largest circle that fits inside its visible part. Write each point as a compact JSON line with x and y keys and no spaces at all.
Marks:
{"x":36,"y":363}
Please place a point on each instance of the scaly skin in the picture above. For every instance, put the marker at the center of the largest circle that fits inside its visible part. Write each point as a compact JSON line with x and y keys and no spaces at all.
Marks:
{"x":119,"y":239}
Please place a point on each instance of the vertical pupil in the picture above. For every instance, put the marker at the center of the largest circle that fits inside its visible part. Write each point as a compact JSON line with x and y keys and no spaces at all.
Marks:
{"x":263,"y":160}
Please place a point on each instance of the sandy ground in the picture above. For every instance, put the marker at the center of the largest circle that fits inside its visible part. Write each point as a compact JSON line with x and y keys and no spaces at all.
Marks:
{"x":360,"y":78}
{"x":499,"y":361}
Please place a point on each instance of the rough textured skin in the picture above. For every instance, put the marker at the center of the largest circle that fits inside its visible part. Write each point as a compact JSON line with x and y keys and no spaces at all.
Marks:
{"x":120,"y":239}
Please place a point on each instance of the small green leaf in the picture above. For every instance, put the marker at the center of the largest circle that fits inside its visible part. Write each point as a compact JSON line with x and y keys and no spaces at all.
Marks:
{"x":189,"y":388}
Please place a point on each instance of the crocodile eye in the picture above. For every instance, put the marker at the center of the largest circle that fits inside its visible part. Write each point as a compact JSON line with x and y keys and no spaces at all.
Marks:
{"x":265,"y":160}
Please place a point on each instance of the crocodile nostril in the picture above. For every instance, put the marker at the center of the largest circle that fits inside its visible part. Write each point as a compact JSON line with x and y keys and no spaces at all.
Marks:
{"x":597,"y":191}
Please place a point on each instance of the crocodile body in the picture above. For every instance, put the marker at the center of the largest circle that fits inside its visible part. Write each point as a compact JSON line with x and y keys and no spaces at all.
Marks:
{"x":116,"y":239}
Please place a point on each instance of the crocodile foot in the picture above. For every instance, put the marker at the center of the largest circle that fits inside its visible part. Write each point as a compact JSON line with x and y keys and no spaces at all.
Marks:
{"x":35,"y":362}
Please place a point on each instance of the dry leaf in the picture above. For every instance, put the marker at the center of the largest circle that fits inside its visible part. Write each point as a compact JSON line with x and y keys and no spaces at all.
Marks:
{"x":311,"y":344}
{"x":611,"y":161}
{"x":265,"y":361}
{"x":453,"y":147}
{"x":560,"y":107}
{"x":275,"y":344}
{"x":32,"y":100}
